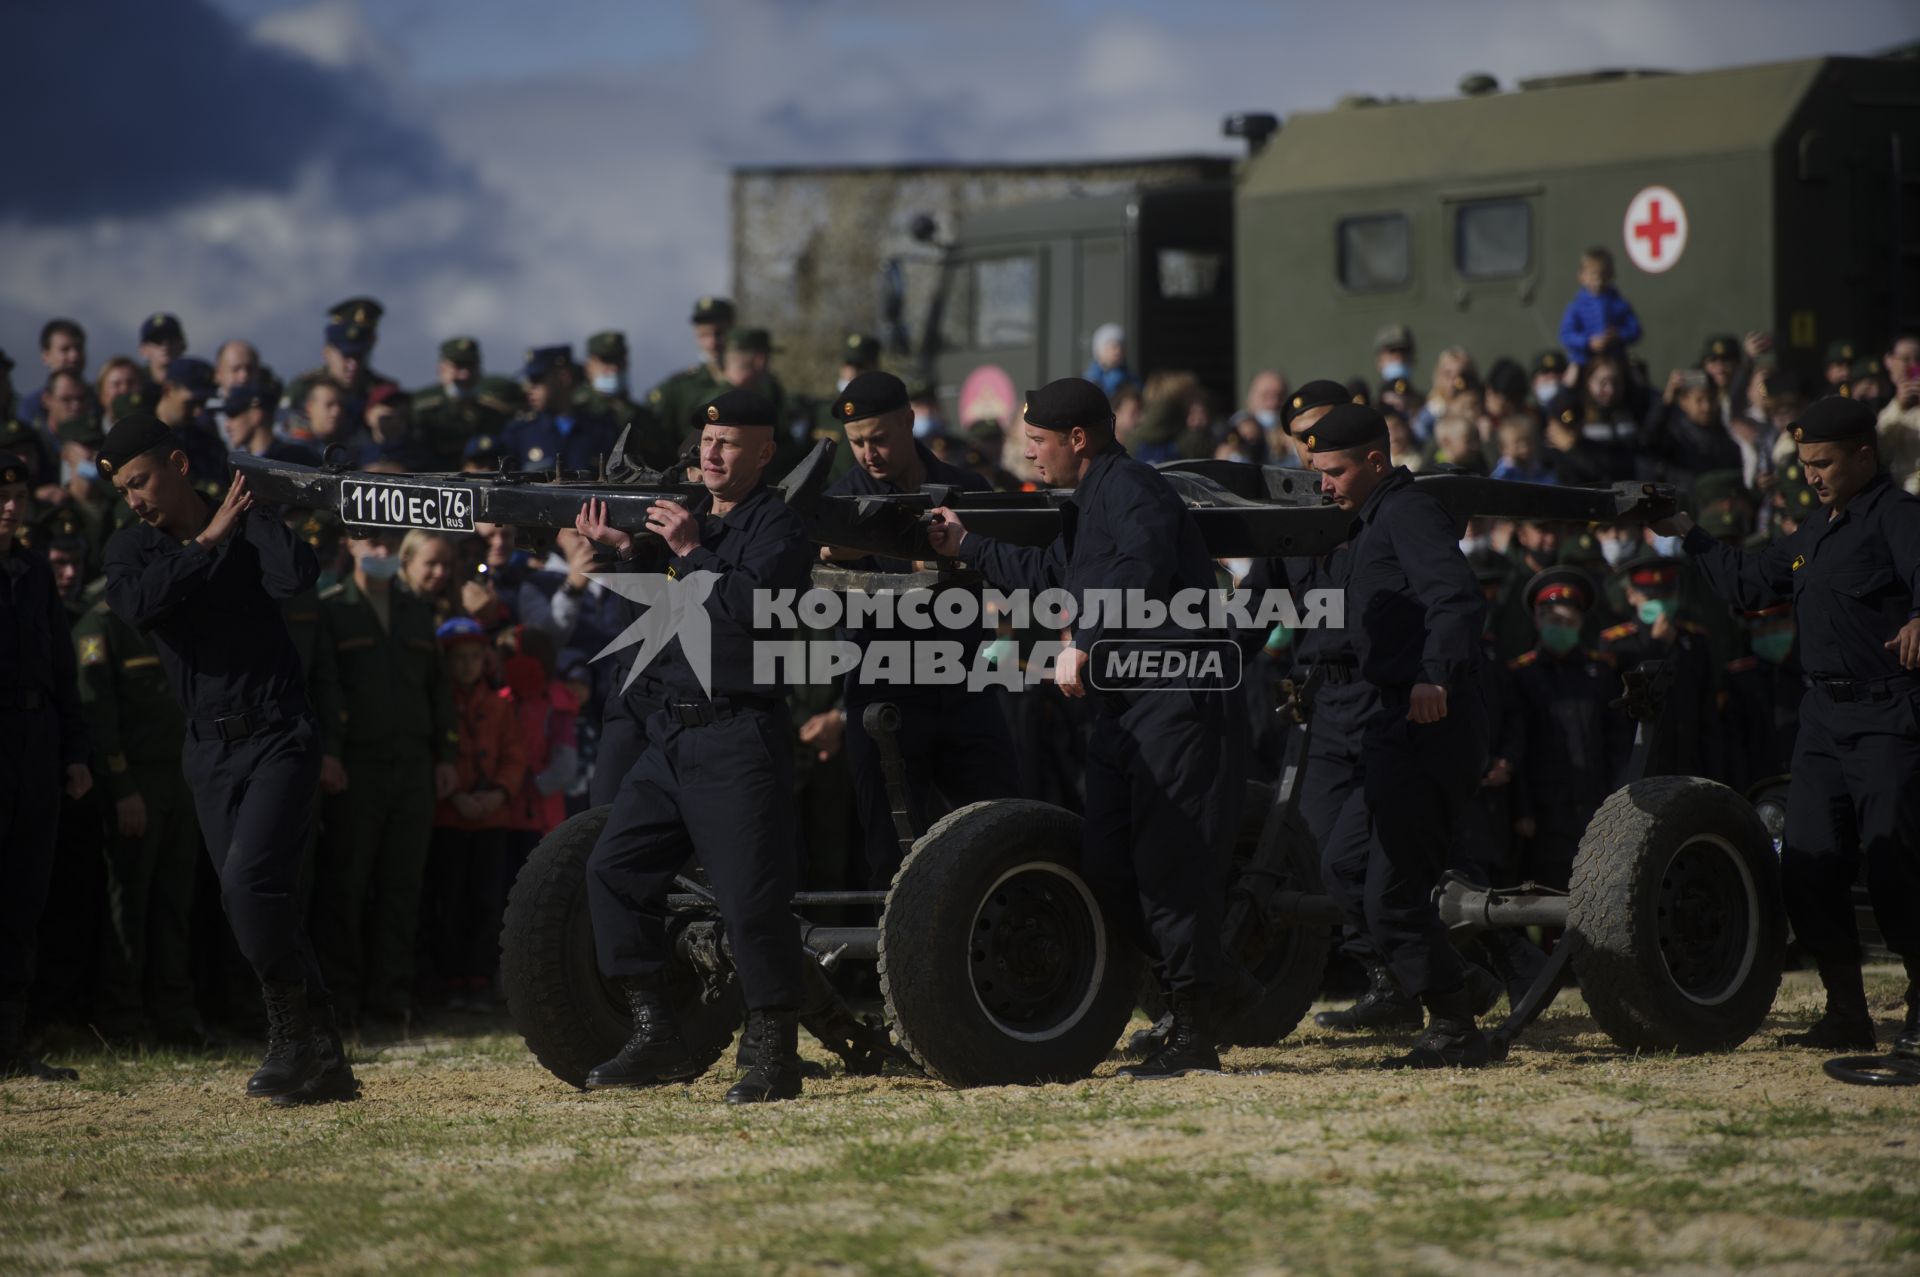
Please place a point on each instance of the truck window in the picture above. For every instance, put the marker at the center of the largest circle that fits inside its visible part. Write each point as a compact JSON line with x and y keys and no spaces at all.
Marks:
{"x":1189,"y":274}
{"x":1005,"y":293}
{"x":1376,"y":252}
{"x":1493,"y":238}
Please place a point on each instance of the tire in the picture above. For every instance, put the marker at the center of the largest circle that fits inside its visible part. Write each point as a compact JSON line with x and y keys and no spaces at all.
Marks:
{"x":1676,"y":894}
{"x":1288,"y":961}
{"x":997,"y":964}
{"x":571,"y":1016}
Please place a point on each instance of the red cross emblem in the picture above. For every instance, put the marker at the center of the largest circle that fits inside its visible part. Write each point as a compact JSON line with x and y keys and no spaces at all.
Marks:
{"x":1656,"y":229}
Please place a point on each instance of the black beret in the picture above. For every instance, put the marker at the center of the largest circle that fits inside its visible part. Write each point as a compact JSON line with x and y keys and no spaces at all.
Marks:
{"x":1720,"y":346}
{"x":712,"y":310}
{"x":1561,"y":585}
{"x":871,"y":394}
{"x":1508,"y":380}
{"x":1347,"y":425}
{"x":161,"y":327}
{"x":13,"y":470}
{"x":141,"y":432}
{"x":1840,"y":351}
{"x":1833,"y":420}
{"x":1315,"y":394}
{"x":246,"y":397}
{"x":1066,"y":403}
{"x":738,"y":408}
{"x":84,"y":430}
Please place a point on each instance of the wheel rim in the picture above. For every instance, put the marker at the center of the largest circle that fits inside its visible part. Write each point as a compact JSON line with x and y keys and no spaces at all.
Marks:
{"x":1709,"y":920}
{"x":1037,"y":952}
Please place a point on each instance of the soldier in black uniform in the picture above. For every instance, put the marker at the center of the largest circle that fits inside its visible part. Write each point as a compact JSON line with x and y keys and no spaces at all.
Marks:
{"x":716,"y":779}
{"x":1853,"y":572}
{"x":1416,"y":614}
{"x":951,"y":739}
{"x":1660,"y":633}
{"x":1164,"y":770}
{"x":1760,"y":718}
{"x":43,"y":753}
{"x":1568,"y":747}
{"x":205,"y":584}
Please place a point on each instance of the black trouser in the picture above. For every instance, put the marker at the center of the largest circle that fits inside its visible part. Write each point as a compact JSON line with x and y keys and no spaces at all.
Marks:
{"x":464,"y":903}
{"x":1855,"y":791}
{"x":146,"y":962}
{"x":623,"y":738}
{"x":1165,"y":783}
{"x":1417,"y":780}
{"x":723,"y":791}
{"x":1330,"y":785}
{"x":954,"y":742}
{"x":255,"y":799}
{"x":31,"y":783}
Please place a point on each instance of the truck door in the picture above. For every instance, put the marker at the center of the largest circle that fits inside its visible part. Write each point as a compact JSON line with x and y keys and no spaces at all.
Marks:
{"x":990,"y":317}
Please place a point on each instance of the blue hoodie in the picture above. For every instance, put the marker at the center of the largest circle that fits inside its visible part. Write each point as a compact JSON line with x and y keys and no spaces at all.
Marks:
{"x":1590,"y":314}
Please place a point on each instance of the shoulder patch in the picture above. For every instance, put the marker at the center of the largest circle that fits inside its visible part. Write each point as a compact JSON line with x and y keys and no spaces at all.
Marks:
{"x":1523,"y":660}
{"x":1693,"y":627}
{"x":334,"y":591}
{"x":93,"y":649}
{"x":1626,"y":629}
{"x":1741,"y":664}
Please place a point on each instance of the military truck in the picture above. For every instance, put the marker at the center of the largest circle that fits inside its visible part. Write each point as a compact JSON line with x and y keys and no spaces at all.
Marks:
{"x":1783,"y":197}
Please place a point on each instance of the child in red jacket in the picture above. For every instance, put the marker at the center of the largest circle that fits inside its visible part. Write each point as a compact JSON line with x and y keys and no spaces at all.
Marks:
{"x":547,"y":715}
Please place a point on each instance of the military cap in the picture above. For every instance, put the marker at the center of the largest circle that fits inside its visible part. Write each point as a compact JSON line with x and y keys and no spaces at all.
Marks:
{"x":1721,"y":485}
{"x":1066,"y":403}
{"x":1840,"y":351}
{"x":1869,"y":366}
{"x":1832,"y":420}
{"x":191,"y":374}
{"x":1490,"y":570}
{"x":542,"y":360}
{"x":481,"y":448}
{"x":609,"y":346}
{"x":388,"y":393}
{"x":245,"y":398}
{"x":1361,"y":392}
{"x":1569,"y":415}
{"x":1549,"y":361}
{"x":161,"y":327}
{"x":13,"y":470}
{"x":756,"y":341}
{"x":1723,"y":521}
{"x":1561,"y":585}
{"x":712,"y":310}
{"x":83,"y":430}
{"x":1398,"y":386}
{"x":131,"y":436}
{"x":1581,"y":550}
{"x":738,"y":408}
{"x":319,"y":527}
{"x":987,"y":432}
{"x":1720,"y":346}
{"x":862,"y":350}
{"x":1394,"y":337}
{"x":872,"y":394}
{"x":1348,"y":425}
{"x":461,"y":352}
{"x":1775,"y":610}
{"x":363,"y":311}
{"x":350,"y":339}
{"x":1465,"y":382}
{"x":460,"y":629}
{"x":134,"y":401}
{"x":61,"y":524}
{"x":1508,"y":380}
{"x":1652,"y":570}
{"x":1321,"y":393}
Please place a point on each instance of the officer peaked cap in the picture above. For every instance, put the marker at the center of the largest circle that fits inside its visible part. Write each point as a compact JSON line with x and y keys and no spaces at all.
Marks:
{"x":1561,"y":585}
{"x":1066,"y":403}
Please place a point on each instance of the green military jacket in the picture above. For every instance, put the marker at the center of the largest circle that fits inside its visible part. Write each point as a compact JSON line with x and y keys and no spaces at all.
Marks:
{"x":130,"y":710}
{"x":393,"y":691}
{"x":445,"y":424}
{"x":674,"y":400}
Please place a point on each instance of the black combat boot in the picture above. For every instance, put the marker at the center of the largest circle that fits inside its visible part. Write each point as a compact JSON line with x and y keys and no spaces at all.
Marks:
{"x":1451,"y":1040}
{"x":293,"y":1053}
{"x":1188,"y":1046}
{"x":1382,"y":1006}
{"x":656,"y":1052}
{"x":335,"y":1081}
{"x":1847,"y":1025}
{"x":1907,"y":1045}
{"x":770,"y":1053}
{"x":16,"y":1059}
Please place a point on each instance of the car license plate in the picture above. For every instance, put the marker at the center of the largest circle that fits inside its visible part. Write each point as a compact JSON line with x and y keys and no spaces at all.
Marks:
{"x":371,"y":503}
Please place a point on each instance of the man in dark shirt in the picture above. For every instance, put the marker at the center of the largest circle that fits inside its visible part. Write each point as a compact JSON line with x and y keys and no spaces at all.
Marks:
{"x":1852,"y":570}
{"x":716,"y":779}
{"x":1165,"y":765}
{"x":951,"y":739}
{"x":43,"y":752}
{"x":1415,"y":612}
{"x":206,"y":585}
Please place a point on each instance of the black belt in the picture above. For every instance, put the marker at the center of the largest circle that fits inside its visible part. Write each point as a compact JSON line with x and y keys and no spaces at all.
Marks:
{"x":1844,"y":690}
{"x":706,"y":713}
{"x":239,"y":726}
{"x":1340,"y":672}
{"x":21,"y":699}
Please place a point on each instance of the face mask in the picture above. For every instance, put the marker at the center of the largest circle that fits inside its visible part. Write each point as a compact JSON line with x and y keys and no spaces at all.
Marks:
{"x":1394,"y":370}
{"x":923,"y":425}
{"x":607,"y":383}
{"x":1616,"y":552}
{"x":1773,"y":648}
{"x":380,"y":569}
{"x":1559,"y":638}
{"x":1471,"y":546}
{"x":1654,"y":611}
{"x":1237,"y":567}
{"x":1546,"y":390}
{"x":1267,"y":418}
{"x":88,"y":470}
{"x":839,"y":385}
{"x":1668,"y":547}
{"x":1001,"y":653}
{"x":455,"y":389}
{"x":1280,"y":640}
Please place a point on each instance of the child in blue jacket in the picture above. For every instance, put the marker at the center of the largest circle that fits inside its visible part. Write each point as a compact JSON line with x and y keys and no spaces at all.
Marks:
{"x":1598,"y":319}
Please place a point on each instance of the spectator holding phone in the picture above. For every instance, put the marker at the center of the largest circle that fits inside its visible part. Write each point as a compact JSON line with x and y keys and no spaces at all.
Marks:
{"x":1899,"y":423}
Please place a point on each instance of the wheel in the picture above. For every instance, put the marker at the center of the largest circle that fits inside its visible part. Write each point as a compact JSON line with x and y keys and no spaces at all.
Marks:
{"x":1676,"y":892}
{"x":997,"y":964}
{"x":571,"y":1016}
{"x":1288,"y":961}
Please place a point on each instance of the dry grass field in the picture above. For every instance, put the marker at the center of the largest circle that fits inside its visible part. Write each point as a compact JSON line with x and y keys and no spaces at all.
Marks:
{"x":465,"y":1157}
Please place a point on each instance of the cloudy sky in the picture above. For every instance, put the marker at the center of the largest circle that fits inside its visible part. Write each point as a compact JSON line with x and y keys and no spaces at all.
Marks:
{"x":532,"y":172}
